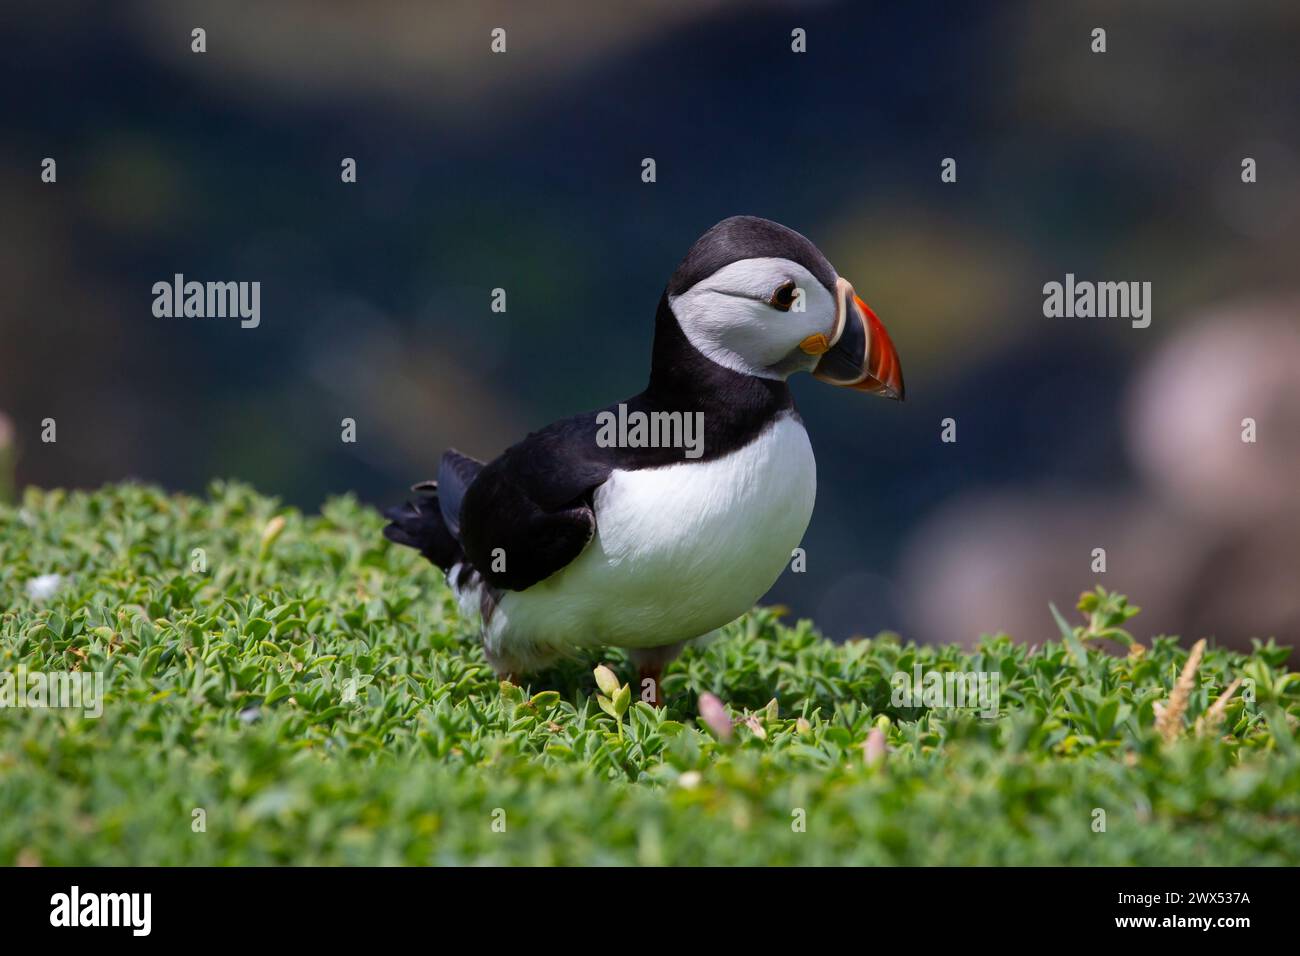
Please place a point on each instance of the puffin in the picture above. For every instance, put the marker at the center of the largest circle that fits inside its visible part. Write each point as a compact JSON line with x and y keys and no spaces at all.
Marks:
{"x":590,"y":534}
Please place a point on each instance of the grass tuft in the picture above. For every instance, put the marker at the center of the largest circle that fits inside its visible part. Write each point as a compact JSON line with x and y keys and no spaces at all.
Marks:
{"x":1169,"y":715}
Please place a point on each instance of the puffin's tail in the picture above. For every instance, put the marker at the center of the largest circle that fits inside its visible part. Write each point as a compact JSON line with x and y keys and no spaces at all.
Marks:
{"x":431,"y":525}
{"x":419,"y":525}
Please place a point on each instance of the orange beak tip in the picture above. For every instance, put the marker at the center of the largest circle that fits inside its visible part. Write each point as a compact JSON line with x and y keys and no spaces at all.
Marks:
{"x":860,"y":354}
{"x":883,"y":363}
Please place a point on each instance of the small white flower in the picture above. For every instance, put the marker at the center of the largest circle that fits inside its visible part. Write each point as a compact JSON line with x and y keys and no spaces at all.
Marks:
{"x":44,"y":587}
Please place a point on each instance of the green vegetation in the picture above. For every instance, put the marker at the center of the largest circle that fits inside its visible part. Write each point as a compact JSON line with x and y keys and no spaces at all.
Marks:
{"x":227,"y":689}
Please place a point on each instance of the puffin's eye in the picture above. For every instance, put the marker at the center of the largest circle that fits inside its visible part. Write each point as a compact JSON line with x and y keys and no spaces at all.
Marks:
{"x":783,"y":297}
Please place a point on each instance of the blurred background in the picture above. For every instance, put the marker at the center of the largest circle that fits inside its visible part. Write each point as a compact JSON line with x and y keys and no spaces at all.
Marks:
{"x":522,"y":171}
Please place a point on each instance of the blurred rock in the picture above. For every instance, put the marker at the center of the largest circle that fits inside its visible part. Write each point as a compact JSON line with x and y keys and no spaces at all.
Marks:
{"x":989,"y":563}
{"x":1208,"y":547}
{"x":1186,"y":410}
{"x":1245,"y":586}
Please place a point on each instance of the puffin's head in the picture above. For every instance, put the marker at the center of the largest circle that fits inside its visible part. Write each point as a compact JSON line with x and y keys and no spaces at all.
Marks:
{"x":761,"y":299}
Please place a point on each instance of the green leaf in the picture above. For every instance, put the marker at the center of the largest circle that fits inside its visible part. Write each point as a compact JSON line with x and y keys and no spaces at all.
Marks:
{"x":149,"y":662}
{"x":1107,"y":712}
{"x":1067,"y":633}
{"x":1281,"y":731}
{"x":545,"y":699}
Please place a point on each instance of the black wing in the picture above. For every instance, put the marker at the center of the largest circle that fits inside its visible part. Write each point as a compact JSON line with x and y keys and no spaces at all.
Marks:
{"x":529,"y":513}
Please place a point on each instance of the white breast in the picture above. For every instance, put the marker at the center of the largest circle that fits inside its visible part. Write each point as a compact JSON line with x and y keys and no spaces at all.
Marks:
{"x":679,"y":550}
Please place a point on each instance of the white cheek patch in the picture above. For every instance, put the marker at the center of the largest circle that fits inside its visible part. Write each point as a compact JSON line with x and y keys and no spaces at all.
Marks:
{"x":727,"y":318}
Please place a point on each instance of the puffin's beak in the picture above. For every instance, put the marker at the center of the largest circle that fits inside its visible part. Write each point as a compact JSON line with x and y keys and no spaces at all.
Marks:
{"x":858,"y":353}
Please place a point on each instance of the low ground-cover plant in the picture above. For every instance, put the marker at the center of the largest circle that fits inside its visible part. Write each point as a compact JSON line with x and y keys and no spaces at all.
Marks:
{"x":281,"y":688}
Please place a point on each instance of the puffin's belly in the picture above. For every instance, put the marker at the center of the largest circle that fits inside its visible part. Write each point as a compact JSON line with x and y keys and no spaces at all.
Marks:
{"x":678,"y":550}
